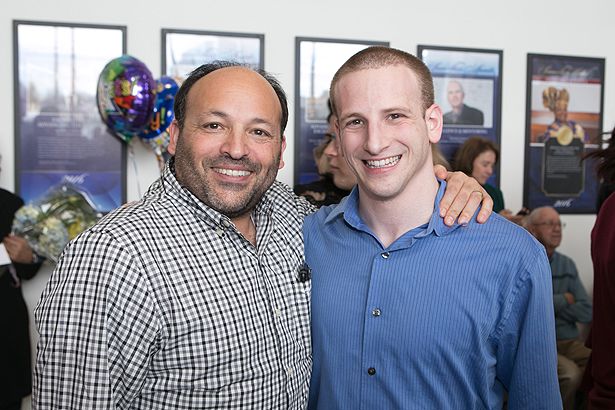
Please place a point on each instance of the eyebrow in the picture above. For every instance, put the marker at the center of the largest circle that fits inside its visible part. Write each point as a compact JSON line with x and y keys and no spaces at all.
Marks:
{"x":255,"y":120}
{"x":345,"y":117}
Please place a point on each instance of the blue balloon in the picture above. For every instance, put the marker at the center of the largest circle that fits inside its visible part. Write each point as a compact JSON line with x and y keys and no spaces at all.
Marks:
{"x":162,"y":114}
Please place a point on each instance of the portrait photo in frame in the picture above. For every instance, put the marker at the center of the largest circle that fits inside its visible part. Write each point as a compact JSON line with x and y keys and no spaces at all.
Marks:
{"x":185,"y":50}
{"x":59,"y":135}
{"x":316,"y":61}
{"x":468,"y":88}
{"x":564,"y":111}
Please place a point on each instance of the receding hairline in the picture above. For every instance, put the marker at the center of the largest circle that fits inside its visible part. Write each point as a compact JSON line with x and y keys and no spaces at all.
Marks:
{"x":537,"y":213}
{"x":255,"y":75}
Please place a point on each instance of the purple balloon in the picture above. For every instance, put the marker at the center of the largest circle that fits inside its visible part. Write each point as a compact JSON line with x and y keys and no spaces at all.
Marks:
{"x":126,"y":96}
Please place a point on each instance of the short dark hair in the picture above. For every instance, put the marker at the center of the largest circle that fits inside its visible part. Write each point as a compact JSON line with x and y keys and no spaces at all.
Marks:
{"x":378,"y":57}
{"x":182,"y":94}
{"x":469,"y":150}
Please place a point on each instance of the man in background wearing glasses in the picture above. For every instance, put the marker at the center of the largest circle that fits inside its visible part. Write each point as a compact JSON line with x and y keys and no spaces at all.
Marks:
{"x":570,"y":301}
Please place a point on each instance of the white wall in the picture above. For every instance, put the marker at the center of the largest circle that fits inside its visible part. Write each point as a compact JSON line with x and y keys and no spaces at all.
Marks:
{"x":517,"y":27}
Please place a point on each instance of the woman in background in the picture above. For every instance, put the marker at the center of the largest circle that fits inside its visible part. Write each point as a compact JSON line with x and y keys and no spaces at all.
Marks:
{"x":477,"y":157}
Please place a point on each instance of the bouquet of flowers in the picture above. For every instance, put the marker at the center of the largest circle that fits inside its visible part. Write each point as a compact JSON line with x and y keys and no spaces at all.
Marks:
{"x":51,"y":222}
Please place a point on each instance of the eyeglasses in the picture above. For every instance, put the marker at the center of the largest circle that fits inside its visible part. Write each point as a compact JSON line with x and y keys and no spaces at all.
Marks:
{"x":552,"y":224}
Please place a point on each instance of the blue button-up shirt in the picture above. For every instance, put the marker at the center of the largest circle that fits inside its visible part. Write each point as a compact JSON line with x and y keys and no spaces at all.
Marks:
{"x":443,"y":318}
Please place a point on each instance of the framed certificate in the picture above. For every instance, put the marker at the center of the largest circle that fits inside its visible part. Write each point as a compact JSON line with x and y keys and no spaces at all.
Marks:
{"x":468,"y":87}
{"x":185,"y":50}
{"x":59,"y":136}
{"x":563,"y":122}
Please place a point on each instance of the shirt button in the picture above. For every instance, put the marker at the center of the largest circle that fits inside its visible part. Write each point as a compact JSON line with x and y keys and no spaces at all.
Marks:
{"x":385,"y":255}
{"x":277,"y":312}
{"x":371,"y":371}
{"x":225,"y":223}
{"x":376,"y":312}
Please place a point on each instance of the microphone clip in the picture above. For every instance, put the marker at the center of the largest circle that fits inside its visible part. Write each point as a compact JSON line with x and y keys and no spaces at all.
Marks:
{"x":305,"y":273}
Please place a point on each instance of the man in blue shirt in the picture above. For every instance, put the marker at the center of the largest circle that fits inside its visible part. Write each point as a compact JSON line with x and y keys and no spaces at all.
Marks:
{"x":408,"y":313}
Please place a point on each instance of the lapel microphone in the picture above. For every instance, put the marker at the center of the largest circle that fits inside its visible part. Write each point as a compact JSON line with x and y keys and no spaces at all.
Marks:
{"x":305,"y":273}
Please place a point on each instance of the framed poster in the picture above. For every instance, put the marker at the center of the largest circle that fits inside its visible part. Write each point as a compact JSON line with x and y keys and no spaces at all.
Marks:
{"x":59,"y":136}
{"x":185,"y":50}
{"x":316,"y":61}
{"x":563,"y":122}
{"x":468,"y":87}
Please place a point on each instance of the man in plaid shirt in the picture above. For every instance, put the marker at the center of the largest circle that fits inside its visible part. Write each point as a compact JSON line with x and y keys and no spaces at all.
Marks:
{"x":196,"y":296}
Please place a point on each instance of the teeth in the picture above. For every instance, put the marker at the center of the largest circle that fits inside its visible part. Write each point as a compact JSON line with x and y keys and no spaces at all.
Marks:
{"x":232,"y":172}
{"x":381,"y":163}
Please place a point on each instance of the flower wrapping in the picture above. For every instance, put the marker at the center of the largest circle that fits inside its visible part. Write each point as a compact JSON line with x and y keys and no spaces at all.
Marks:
{"x":49,"y":223}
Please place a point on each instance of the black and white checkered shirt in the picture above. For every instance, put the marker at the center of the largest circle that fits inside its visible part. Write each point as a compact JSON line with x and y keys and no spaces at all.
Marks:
{"x":165,"y":305}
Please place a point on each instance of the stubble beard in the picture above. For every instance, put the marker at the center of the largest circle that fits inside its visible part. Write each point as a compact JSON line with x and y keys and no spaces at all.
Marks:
{"x":230,"y":199}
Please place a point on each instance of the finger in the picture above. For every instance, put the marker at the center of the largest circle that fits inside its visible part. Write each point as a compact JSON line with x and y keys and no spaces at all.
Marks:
{"x":454,"y":182}
{"x":485,"y":210}
{"x":486,"y":207}
{"x":440,"y":171}
{"x":470,"y":207}
{"x":463,"y":207}
{"x":8,"y":243}
{"x":10,"y":249}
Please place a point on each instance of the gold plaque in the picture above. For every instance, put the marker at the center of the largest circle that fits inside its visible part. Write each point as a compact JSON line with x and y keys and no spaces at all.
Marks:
{"x":564,"y":135}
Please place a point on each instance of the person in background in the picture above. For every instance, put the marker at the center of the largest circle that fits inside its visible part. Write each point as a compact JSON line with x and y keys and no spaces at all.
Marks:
{"x":599,"y":381}
{"x":197,"y":295}
{"x":325,"y":191}
{"x":15,"y":352}
{"x":563,"y":129}
{"x":606,"y":188}
{"x":570,"y":301}
{"x":406,"y":311}
{"x":461,"y":114}
{"x":477,"y":157}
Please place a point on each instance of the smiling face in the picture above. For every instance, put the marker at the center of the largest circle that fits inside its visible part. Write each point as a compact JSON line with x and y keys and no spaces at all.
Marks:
{"x":482,"y":167}
{"x":384,"y":131}
{"x":230,"y":148}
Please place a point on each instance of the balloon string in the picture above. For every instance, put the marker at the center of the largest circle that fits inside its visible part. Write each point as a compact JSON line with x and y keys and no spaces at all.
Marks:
{"x":131,"y":154}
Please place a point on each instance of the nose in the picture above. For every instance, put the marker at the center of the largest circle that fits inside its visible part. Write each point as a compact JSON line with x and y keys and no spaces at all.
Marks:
{"x":331,"y":149}
{"x":235,"y":145}
{"x":375,"y":141}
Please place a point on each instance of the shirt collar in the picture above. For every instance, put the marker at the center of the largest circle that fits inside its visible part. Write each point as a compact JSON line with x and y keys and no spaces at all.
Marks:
{"x":348,"y":209}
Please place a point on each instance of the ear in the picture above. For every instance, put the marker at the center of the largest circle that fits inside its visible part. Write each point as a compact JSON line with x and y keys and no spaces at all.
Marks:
{"x":282,"y":149}
{"x":174,"y":133}
{"x":434,"y":122}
